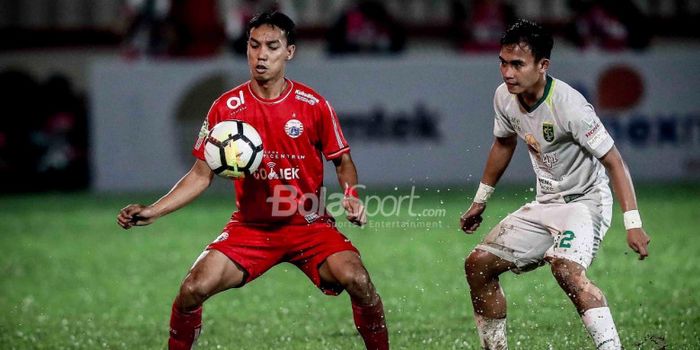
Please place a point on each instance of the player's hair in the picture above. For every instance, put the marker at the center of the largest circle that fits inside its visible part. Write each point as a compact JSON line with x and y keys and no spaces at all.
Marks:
{"x":277,"y":19}
{"x":533,"y":35}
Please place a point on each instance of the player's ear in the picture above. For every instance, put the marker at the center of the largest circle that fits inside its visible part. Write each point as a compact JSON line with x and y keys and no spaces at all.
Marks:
{"x":544,"y":65}
{"x":290,"y":51}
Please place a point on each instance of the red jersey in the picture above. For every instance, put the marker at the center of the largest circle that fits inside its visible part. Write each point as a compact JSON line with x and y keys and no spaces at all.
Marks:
{"x":297,"y":129}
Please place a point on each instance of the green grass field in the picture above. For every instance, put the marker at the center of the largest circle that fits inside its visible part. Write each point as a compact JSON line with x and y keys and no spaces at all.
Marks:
{"x":71,"y":279}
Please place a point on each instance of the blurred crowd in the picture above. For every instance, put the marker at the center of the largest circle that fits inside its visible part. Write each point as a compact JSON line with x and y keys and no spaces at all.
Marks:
{"x":43,"y":134}
{"x":608,"y":24}
{"x":200,"y":28}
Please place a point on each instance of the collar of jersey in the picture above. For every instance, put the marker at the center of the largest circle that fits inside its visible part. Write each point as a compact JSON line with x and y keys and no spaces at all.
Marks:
{"x":277,"y":99}
{"x":545,"y":96}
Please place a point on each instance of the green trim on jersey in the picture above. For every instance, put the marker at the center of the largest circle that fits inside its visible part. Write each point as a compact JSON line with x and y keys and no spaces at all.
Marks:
{"x":546,"y":96}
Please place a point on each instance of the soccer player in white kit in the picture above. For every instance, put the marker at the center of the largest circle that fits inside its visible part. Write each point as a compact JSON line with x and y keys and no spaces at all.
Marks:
{"x":570,"y":152}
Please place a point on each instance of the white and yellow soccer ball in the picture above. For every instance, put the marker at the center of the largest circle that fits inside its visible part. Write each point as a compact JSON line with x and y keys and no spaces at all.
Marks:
{"x":233,"y":149}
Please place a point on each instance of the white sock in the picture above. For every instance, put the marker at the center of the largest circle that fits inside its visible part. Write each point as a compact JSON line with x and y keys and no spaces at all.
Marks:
{"x":601,"y":327}
{"x":492,"y":332}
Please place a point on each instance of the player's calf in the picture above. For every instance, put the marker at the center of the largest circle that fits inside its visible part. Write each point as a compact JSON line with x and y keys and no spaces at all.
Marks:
{"x":367,"y":307}
{"x":573,"y":280}
{"x":186,"y":315}
{"x":185,"y":327}
{"x":482,"y":270}
{"x":347,"y":270}
{"x":589,"y":301}
{"x":371,"y":324}
{"x":213,"y":272}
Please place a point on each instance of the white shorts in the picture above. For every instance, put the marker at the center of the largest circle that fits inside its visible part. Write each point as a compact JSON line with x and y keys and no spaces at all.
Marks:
{"x":536,"y":231}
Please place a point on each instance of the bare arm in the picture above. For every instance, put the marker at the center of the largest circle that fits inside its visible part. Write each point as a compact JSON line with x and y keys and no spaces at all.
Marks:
{"x":500,"y":155}
{"x":637,"y":239}
{"x":347,"y":178}
{"x":185,"y":191}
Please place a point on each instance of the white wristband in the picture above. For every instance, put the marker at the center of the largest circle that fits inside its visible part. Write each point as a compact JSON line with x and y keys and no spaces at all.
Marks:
{"x":632,"y":219}
{"x":483,"y":193}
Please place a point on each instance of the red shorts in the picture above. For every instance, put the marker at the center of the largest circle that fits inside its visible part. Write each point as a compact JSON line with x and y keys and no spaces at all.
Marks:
{"x":256,"y":249}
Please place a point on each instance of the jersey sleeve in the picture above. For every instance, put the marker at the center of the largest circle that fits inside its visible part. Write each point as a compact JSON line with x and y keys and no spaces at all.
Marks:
{"x":333,"y":143}
{"x":501,"y":125}
{"x":209,"y":122}
{"x":588,"y":131}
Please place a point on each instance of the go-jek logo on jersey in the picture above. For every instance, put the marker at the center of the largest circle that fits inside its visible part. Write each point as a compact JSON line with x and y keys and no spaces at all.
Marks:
{"x":271,"y":173}
{"x":235,"y":101}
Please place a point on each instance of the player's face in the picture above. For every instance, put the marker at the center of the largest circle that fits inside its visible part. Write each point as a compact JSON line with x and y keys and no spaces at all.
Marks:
{"x":519,"y":70}
{"x":268,"y":53}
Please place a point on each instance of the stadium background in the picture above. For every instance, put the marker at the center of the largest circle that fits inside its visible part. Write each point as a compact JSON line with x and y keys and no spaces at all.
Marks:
{"x":97,"y":117}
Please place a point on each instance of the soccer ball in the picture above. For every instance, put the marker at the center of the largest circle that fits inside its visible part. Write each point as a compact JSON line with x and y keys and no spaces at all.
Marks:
{"x":233,"y":149}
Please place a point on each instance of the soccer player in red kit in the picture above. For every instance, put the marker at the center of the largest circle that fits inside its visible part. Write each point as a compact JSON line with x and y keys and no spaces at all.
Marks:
{"x":275,"y":221}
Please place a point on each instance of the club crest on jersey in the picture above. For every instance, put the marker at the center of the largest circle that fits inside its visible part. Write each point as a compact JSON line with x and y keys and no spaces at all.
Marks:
{"x":548,"y":131}
{"x":293,"y":128}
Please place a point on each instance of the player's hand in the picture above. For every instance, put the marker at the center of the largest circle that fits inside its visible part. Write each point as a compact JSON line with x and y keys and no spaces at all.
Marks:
{"x":135,"y":215}
{"x":356,"y":210}
{"x":638,"y":240}
{"x":471,"y":219}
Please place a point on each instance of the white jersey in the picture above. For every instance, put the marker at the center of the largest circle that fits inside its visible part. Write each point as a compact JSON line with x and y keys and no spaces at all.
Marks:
{"x":565,"y":138}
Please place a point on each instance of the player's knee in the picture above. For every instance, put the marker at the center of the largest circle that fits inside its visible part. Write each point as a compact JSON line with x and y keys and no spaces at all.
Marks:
{"x":476,"y":267}
{"x":355,"y":281}
{"x":192,"y":293}
{"x":360,"y":281}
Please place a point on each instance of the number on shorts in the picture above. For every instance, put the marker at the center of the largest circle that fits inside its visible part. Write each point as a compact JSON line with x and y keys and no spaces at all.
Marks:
{"x":566,"y":239}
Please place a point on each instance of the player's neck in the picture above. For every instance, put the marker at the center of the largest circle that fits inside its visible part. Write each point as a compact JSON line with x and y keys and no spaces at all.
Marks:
{"x":270,"y":89}
{"x":535,"y":93}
